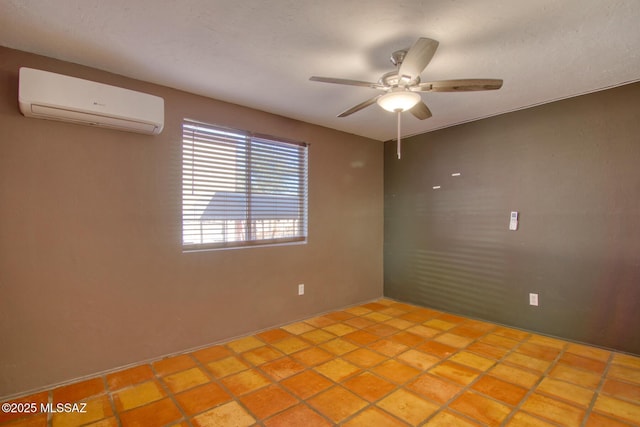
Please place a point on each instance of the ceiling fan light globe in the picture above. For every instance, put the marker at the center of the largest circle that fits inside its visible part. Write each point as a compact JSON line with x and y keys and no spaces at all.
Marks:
{"x":398,"y":101}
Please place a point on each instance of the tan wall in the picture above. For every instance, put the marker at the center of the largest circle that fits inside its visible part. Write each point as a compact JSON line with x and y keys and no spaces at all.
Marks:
{"x":92,"y":275}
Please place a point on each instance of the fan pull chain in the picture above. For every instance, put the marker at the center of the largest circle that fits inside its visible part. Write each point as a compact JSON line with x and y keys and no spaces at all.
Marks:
{"x":399,"y":144}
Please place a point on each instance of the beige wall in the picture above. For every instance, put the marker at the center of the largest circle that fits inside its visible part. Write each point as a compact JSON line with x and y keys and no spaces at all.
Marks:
{"x":92,"y":276}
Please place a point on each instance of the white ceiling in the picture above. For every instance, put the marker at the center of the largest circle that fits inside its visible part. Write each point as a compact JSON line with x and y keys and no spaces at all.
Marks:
{"x":261,"y":53}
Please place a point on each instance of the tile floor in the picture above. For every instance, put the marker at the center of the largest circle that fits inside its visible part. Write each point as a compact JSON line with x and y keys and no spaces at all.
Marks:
{"x":378,"y":364}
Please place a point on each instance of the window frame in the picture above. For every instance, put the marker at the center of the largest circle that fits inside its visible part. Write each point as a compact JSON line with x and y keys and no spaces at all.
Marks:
{"x":288,"y":212}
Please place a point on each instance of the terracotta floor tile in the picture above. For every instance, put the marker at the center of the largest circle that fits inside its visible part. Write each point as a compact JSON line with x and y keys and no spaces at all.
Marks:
{"x":626,"y":360}
{"x":273,"y":335}
{"x":575,"y":376}
{"x":438,"y":349}
{"x":338,"y":346}
{"x":498,"y":389}
{"x":455,"y":372}
{"x":37,"y":398}
{"x":127,"y":377}
{"x":624,"y":373}
{"x":318,"y":336}
{"x":547,"y":341}
{"x":453,"y":340}
{"x":439,"y":324}
{"x":522,"y":419}
{"x":299,"y":415}
{"x":377,"y":317}
{"x":387,"y":347}
{"x":229,"y":414}
{"x":589,"y":352}
{"x":298,"y":328}
{"x":420,"y":316}
{"x":539,"y":351}
{"x":268,"y":401}
{"x":245,"y":382}
{"x":423,"y":331}
{"x":404,"y":307}
{"x":211,"y":354}
{"x":515,"y":375}
{"x":339,"y":329}
{"x":407,"y":338}
{"x":291,"y":345}
{"x":418,"y":359}
{"x":368,"y":386}
{"x":364,"y":358}
{"x":598,"y":420}
{"x":449,"y":419}
{"x":488,"y":350}
{"x":325,"y":403}
{"x":435,"y":388}
{"x":312,"y":356}
{"x":78,"y":391}
{"x":385,"y":356}
{"x":499,"y":341}
{"x":395,"y":371}
{"x":374,"y":306}
{"x":374,"y":417}
{"x":339,"y":316}
{"x":581,"y":362}
{"x":173,"y":364}
{"x":358,"y":311}
{"x":527,"y":362}
{"x":408,"y":407}
{"x":472,"y":360}
{"x":480,"y":408}
{"x":337,"y":369}
{"x":138,"y":395}
{"x":97,"y":409}
{"x":553,"y":410}
{"x":382,"y":329}
{"x":361,"y":337}
{"x":399,"y":324}
{"x":480,"y":325}
{"x":359,"y":322}
{"x":245,"y":344}
{"x":617,"y":408}
{"x":282,"y":368}
{"x":467,"y":331}
{"x":185,"y":380}
{"x":227,"y":366}
{"x":514,"y":334}
{"x":622,"y":390}
{"x":261,"y":355}
{"x":568,"y":392}
{"x":202,"y":398}
{"x":307,"y":384}
{"x":38,"y":420}
{"x":156,"y":414}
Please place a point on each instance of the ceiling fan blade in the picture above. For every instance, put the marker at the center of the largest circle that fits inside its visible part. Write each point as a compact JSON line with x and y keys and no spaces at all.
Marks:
{"x":421,"y":111}
{"x":360,"y":106}
{"x":346,"y":82}
{"x":461,"y":85}
{"x":418,"y":57}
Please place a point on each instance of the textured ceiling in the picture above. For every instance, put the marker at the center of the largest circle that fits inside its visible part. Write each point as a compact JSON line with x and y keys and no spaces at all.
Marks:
{"x":261,"y":53}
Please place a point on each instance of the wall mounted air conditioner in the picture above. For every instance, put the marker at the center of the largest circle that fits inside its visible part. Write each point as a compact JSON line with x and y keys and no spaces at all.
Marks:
{"x":47,"y":95}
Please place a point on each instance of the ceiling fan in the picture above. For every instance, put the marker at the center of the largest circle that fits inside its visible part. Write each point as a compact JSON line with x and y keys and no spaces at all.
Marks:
{"x":402,"y":87}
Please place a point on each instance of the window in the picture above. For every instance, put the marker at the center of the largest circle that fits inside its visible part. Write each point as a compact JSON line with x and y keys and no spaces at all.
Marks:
{"x":241,"y":189}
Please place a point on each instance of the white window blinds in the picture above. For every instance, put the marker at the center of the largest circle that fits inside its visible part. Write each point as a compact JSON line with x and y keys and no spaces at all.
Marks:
{"x":241,"y":189}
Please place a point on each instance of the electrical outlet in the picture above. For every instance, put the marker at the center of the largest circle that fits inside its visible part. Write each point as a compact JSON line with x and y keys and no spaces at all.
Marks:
{"x":533,"y":299}
{"x":301,"y":289}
